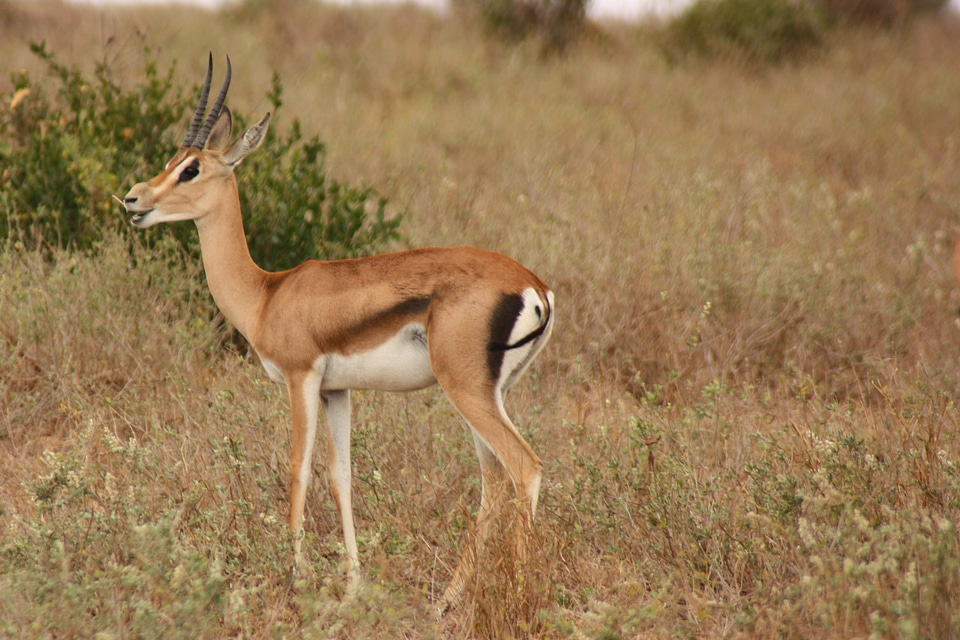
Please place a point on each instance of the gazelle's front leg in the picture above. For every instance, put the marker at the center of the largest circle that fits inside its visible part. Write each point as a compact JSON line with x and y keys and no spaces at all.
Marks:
{"x":305,"y":399}
{"x":304,"y":393}
{"x":337,"y":406}
{"x":304,"y":390}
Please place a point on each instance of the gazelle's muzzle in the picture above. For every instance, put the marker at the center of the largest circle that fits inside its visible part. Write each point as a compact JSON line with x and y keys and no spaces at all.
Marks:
{"x":135,"y":205}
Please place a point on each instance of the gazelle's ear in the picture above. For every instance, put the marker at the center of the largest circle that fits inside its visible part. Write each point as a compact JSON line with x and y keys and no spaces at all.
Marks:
{"x":222,"y":130}
{"x":246,"y":145}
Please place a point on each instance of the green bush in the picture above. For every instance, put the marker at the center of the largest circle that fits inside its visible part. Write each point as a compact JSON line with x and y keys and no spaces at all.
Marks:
{"x":558,"y":23}
{"x":882,"y":12}
{"x":761,"y":32}
{"x":64,"y":156}
{"x":750,"y":31}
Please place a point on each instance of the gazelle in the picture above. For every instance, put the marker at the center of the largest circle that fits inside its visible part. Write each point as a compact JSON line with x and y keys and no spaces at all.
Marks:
{"x":468,"y":319}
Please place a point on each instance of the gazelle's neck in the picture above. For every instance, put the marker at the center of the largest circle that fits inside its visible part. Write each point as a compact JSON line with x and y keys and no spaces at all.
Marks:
{"x":235,"y":281}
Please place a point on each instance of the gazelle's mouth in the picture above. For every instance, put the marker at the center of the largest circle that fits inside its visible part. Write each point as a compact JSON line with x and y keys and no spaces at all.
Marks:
{"x":138,"y":217}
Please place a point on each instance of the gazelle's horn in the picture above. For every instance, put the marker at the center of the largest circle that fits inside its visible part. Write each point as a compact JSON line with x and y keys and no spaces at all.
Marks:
{"x":201,"y":107}
{"x":215,"y":110}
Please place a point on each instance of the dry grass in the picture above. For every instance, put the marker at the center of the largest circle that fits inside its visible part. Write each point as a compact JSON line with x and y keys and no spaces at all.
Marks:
{"x":747,"y":410}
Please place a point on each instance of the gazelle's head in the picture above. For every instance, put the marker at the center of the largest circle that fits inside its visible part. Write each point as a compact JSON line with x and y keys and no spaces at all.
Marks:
{"x":200,"y":176}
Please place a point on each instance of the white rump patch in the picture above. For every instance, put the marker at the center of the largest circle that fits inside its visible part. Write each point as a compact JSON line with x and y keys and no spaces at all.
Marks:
{"x":530,"y":319}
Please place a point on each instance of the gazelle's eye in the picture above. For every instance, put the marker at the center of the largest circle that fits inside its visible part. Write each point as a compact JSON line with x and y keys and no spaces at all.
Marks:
{"x":190,"y":172}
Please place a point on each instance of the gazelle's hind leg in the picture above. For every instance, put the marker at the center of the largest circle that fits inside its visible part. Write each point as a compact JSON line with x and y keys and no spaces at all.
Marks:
{"x":493,"y":488}
{"x":505,"y":459}
{"x":476,"y":377}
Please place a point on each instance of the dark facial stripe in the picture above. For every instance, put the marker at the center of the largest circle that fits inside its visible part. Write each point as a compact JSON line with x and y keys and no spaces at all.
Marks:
{"x":501,"y":326}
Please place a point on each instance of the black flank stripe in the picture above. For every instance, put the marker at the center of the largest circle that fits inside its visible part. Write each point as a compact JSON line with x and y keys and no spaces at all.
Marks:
{"x":409,"y":307}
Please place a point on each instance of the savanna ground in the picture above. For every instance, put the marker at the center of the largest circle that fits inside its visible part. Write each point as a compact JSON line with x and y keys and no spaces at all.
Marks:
{"x":747,"y":411}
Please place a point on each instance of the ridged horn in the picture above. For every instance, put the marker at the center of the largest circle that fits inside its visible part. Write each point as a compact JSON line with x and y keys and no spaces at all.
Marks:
{"x":214,"y":114}
{"x":201,"y":107}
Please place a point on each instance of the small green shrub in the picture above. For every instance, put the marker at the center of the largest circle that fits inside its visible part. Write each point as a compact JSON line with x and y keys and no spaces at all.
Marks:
{"x":751,"y":31}
{"x":775,"y":31}
{"x":557,"y":22}
{"x":105,"y":558}
{"x":880,"y":12}
{"x":63,"y":157}
{"x":896,"y":577}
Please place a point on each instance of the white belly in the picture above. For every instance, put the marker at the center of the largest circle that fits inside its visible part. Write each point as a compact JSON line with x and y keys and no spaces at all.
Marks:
{"x":402,"y":363}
